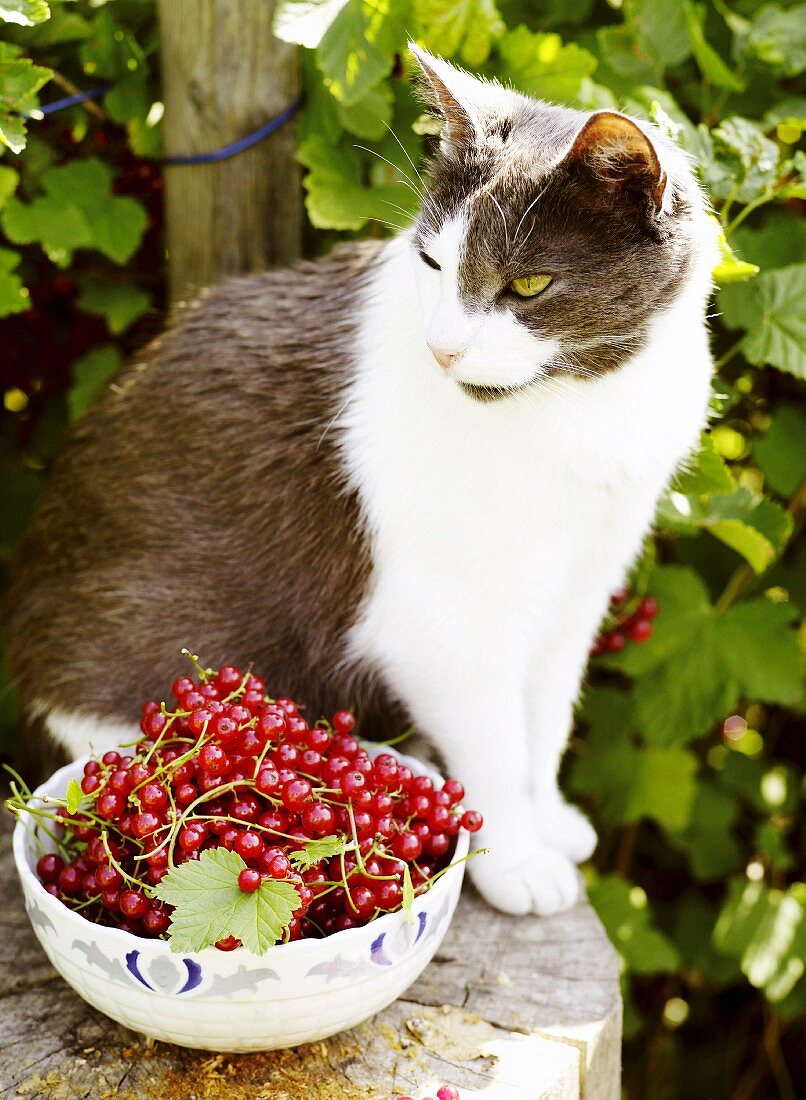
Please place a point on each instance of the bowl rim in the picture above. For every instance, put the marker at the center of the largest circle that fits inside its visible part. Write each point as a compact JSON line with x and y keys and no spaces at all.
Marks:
{"x":29,"y":880}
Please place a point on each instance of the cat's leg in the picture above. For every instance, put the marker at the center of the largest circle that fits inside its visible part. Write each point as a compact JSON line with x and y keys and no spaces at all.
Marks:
{"x":481,"y":731}
{"x":466,"y":692}
{"x":557,"y":671}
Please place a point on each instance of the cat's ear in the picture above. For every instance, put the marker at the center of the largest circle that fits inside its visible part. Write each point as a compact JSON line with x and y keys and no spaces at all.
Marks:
{"x":454,"y":95}
{"x":620,"y":158}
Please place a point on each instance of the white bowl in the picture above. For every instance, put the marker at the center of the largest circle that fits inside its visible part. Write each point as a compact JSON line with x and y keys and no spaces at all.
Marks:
{"x":236,"y":1001}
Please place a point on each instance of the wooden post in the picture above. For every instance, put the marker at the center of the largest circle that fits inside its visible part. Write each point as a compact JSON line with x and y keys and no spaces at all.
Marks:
{"x":224,"y":75}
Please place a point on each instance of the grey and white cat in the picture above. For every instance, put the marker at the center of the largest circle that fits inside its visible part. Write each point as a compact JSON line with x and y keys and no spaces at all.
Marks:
{"x":407,"y":476}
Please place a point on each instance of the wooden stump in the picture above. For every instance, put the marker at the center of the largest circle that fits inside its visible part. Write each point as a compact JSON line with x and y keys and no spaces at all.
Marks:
{"x":510,"y":1009}
{"x":223,"y":76}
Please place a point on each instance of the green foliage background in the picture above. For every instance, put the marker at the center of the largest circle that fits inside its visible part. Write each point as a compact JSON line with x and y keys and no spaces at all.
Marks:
{"x":686,"y":748}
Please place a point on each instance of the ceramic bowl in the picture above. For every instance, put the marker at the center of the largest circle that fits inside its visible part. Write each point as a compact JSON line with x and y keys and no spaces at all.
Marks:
{"x":235,"y":1001}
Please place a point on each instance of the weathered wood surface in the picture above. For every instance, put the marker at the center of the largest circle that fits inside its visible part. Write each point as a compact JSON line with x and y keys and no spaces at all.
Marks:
{"x":223,"y":76}
{"x":510,"y":1009}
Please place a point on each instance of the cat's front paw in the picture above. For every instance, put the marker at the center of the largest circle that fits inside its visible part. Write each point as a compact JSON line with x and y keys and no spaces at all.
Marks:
{"x":565,"y":829}
{"x":541,"y":881}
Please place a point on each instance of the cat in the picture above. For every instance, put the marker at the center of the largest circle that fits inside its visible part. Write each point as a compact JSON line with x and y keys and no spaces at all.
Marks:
{"x":407,"y":476}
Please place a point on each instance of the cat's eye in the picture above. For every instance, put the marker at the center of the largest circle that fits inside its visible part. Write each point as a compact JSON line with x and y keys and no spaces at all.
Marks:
{"x":527,"y":286}
{"x":427,"y":260}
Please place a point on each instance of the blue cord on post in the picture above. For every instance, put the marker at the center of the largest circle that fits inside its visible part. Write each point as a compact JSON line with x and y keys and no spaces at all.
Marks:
{"x":224,"y":153}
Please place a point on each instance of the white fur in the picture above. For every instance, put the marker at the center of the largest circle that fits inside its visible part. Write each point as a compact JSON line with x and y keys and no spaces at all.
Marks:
{"x":80,"y":733}
{"x":499,"y":531}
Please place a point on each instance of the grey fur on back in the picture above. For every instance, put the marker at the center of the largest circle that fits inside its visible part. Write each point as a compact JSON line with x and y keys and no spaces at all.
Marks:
{"x":200,"y":503}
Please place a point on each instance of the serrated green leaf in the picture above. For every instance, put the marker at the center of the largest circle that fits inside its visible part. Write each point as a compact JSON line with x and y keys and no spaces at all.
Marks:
{"x":464,"y":27}
{"x":304,"y":22}
{"x":780,"y":240}
{"x":73,"y":796}
{"x":358,"y":48}
{"x":704,"y":472}
{"x":20,"y":80}
{"x":260,"y":919}
{"x":773,"y":311}
{"x":781,"y":451}
{"x":749,"y":158}
{"x":8,"y":183}
{"x":119,"y":303}
{"x":316,"y":850}
{"x":630,"y":782}
{"x":25,"y":13}
{"x":754,"y":526}
{"x":540,"y":65}
{"x":711,"y":65}
{"x":204,"y":893}
{"x":78,"y":210}
{"x":336,"y":198}
{"x":371,"y":116}
{"x":707,"y":840}
{"x":777,"y":38}
{"x":699,"y":663}
{"x":661,"y":29}
{"x":90,"y":375}
{"x":14,"y":296}
{"x":624,"y":911}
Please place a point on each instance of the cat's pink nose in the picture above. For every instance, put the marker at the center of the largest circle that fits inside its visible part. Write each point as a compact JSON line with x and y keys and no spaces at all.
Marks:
{"x":446,"y":357}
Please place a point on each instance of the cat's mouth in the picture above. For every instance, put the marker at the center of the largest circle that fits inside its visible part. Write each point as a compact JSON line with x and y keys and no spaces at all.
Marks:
{"x":487,"y":394}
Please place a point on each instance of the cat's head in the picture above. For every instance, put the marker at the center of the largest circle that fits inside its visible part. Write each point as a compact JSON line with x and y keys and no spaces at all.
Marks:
{"x":548,"y":238}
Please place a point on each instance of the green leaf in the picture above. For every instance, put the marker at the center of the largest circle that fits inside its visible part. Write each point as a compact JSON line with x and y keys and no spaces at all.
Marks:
{"x":78,"y":210}
{"x":466,"y":27}
{"x":711,"y":65}
{"x":699,"y":663}
{"x":754,"y":526}
{"x":305,"y":22}
{"x":358,"y":48}
{"x":371,"y":117}
{"x":8,"y":183}
{"x":90,"y":375}
{"x":781,"y":451}
{"x":757,"y":527}
{"x":25,"y":13}
{"x":540,"y":65}
{"x":661,"y":29}
{"x":773,"y":310}
{"x":748,"y":156}
{"x":120,"y":304}
{"x":704,"y":472}
{"x":764,"y":929}
{"x":316,"y":850}
{"x":730,"y":269}
{"x":73,"y":796}
{"x":624,"y":911}
{"x":20,"y":80}
{"x":260,"y":919}
{"x":209,"y":905}
{"x":628,"y":781}
{"x":778,"y":38}
{"x":707,"y":840}
{"x":779,"y":241}
{"x":336,"y":198}
{"x":14,"y":296}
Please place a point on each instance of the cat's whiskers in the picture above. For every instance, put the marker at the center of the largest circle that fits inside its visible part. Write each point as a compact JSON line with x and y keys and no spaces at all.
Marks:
{"x":523,"y":216}
{"x":406,"y":180}
{"x":503,"y":219}
{"x":406,"y":155}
